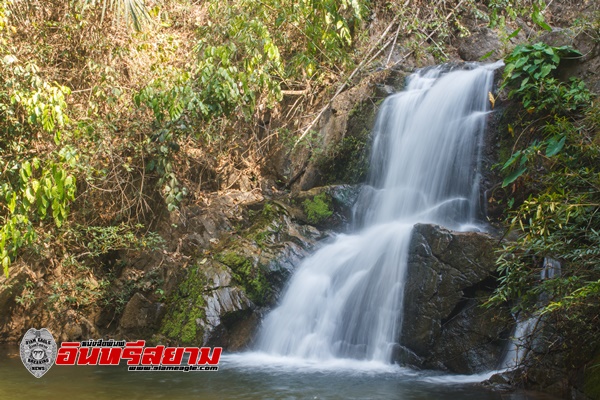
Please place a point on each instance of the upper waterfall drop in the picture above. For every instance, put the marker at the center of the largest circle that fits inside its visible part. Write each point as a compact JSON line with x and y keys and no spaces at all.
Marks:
{"x":346,"y":300}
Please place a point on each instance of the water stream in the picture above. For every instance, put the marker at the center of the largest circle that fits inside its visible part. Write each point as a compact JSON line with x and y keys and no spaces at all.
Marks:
{"x":346,"y":300}
{"x":526,"y":327}
{"x":236,"y":379}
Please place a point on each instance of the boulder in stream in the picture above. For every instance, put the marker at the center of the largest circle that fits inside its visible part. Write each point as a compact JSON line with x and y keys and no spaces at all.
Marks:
{"x":449,"y":276}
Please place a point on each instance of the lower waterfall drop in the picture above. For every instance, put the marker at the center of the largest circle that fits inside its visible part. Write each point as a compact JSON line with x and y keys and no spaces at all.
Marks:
{"x":346,"y":300}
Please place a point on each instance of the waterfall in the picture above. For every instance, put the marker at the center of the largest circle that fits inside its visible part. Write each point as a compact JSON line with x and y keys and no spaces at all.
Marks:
{"x":524,"y":332}
{"x":345,"y":301}
{"x":519,"y":344}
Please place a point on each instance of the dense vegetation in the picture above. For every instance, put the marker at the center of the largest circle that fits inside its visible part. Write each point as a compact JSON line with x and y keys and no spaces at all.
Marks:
{"x":554,"y":198}
{"x":114,"y":114}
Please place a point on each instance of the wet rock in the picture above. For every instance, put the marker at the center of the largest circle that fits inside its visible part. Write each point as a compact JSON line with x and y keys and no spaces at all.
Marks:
{"x":405,"y":356}
{"x":217,"y":277}
{"x":223,"y":306}
{"x":498,"y":379}
{"x":340,"y":198}
{"x":224,"y":301}
{"x":345,"y":195}
{"x":257,"y":266}
{"x":449,"y":273}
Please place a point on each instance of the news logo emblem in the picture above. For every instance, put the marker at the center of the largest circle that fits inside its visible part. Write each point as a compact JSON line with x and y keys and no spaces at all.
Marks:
{"x":38,"y":351}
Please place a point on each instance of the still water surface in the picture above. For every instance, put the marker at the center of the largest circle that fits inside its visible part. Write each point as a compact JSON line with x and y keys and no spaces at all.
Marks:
{"x":241,"y":377}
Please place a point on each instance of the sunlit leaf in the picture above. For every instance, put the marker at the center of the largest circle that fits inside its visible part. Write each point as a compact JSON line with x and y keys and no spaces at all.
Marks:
{"x":492,"y":99}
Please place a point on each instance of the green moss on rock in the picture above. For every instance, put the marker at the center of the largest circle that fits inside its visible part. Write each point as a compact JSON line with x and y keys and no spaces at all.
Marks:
{"x":249,"y":276}
{"x":186,"y":305}
{"x":267,"y":223}
{"x":318,"y":209}
{"x":348,"y":162}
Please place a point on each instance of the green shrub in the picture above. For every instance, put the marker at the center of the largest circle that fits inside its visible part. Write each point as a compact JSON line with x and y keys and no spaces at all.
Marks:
{"x":529,"y":76}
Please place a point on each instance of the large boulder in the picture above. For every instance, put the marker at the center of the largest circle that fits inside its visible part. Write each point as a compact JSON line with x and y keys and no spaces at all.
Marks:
{"x":445,"y":327}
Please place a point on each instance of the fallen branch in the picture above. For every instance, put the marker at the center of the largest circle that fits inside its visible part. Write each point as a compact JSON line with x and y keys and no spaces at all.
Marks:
{"x":393,"y":45}
{"x":294,"y":92}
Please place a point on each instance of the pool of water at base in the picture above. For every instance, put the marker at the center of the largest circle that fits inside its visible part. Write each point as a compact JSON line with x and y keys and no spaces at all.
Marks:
{"x":244,"y":376}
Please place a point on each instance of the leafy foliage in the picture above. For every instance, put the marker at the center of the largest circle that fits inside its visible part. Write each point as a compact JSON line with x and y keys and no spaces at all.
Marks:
{"x":32,"y":186}
{"x":528,"y":73}
{"x":240,"y":73}
{"x":556,"y":156}
{"x":501,"y":10}
{"x":312,"y":36}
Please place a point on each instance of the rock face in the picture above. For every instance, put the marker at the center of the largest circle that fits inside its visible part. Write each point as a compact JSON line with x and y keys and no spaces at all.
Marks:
{"x":344,"y":136}
{"x":140,"y":314}
{"x":449,"y":275}
{"x":223,"y":293}
{"x":481,"y":42}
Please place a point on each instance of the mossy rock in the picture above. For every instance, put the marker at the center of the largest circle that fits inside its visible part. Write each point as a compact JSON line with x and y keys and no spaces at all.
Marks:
{"x":318,"y":209}
{"x":348,"y":162}
{"x":186,"y":306}
{"x":251,"y":277}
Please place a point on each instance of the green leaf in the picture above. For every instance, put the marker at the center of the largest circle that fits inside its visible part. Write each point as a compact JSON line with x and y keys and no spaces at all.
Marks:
{"x":555,"y":145}
{"x":546,"y":68}
{"x":555,"y":58}
{"x":12,"y":202}
{"x":514,"y":34}
{"x":521,"y":61}
{"x":511,"y":160}
{"x":514,"y":176}
{"x":5,"y":265}
{"x":35,"y":185}
{"x":538,"y":18}
{"x":30,"y":195}
{"x":569,"y":51}
{"x":27,"y":168}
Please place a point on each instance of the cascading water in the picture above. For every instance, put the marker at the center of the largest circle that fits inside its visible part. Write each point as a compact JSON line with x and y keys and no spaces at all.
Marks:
{"x":526,"y":327}
{"x":345,"y":301}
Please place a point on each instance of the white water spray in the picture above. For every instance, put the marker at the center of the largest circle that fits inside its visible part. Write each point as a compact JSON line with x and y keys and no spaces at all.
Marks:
{"x":345,"y":301}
